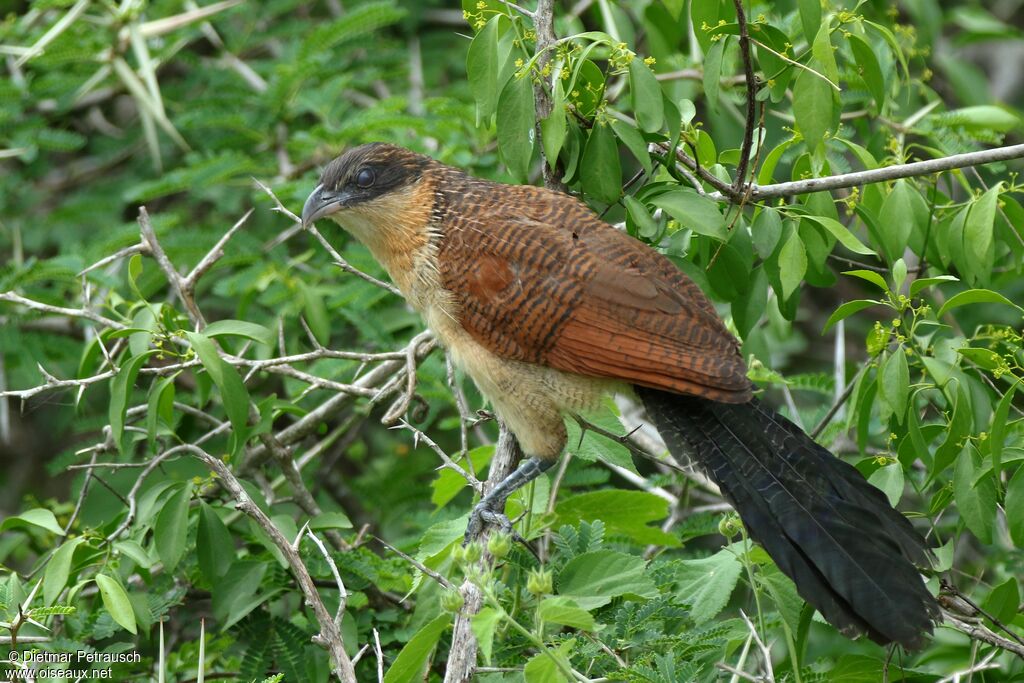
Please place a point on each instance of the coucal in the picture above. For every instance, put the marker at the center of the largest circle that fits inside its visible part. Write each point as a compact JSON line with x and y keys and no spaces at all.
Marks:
{"x":547,"y":308}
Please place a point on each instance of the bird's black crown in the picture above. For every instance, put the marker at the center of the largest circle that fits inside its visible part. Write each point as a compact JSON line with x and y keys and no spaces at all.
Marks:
{"x":372,"y":170}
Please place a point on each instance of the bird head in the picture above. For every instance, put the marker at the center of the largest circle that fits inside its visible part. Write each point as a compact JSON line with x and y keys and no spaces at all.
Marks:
{"x":364,"y":182}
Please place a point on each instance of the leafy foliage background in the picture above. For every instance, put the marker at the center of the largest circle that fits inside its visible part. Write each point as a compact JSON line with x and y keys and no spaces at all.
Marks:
{"x":172,"y":107}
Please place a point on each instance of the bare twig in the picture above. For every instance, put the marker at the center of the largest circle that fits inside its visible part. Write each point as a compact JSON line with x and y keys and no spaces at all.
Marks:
{"x":170,"y":272}
{"x":329,"y":636}
{"x":417,"y":564}
{"x":127,"y":251}
{"x":215,"y":254}
{"x":766,"y":653}
{"x":342,"y":591}
{"x":462,"y":655}
{"x":751,"y":85}
{"x":78,"y":313}
{"x":876,"y":175}
{"x":543,"y":26}
{"x":339,"y":260}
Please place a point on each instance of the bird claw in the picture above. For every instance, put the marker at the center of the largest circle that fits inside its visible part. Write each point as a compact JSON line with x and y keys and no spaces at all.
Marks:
{"x":484,"y":514}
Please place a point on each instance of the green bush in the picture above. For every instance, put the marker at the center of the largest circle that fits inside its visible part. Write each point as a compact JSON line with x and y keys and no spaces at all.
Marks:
{"x":192,"y":404}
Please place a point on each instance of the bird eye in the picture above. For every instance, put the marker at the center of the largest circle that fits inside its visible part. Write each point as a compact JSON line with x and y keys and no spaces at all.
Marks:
{"x":365,"y":177}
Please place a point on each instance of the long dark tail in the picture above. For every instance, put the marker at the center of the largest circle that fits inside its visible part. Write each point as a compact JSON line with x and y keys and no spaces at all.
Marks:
{"x":851,"y":555}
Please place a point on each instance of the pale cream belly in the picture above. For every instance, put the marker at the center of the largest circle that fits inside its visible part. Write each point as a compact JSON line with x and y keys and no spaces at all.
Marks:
{"x":531,"y":399}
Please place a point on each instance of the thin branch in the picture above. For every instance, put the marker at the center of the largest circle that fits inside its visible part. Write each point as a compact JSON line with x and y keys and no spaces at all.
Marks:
{"x":462,"y":655}
{"x":170,"y":272}
{"x":543,"y":26}
{"x":60,"y":310}
{"x":330,"y":635}
{"x":215,"y":254}
{"x":342,"y":591}
{"x":751,"y":84}
{"x":842,"y":398}
{"x":417,"y":564}
{"x":981,"y":633}
{"x":877,"y":175}
{"x":127,"y":251}
{"x":339,"y":260}
{"x":725,"y":190}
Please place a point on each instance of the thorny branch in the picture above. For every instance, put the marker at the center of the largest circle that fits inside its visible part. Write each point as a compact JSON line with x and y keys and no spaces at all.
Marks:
{"x":330,"y":634}
{"x":392,"y":372}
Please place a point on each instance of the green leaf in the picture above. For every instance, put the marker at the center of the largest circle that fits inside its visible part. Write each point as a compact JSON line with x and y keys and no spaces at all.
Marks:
{"x":706,"y":584}
{"x":705,"y":13}
{"x":975,"y":498}
{"x":315,"y":313}
{"x":214,"y":546}
{"x":816,"y":111}
{"x":601,"y":173}
{"x":792,"y":264}
{"x":593,"y":446}
{"x":848,"y":309}
{"x":58,"y":569}
{"x":134,"y":552}
{"x":330,"y":520}
{"x":408,"y":665}
{"x":917,"y":285}
{"x":553,"y":128}
{"x":693,"y":211}
{"x":482,"y":69}
{"x":959,"y":426}
{"x":171,"y":529}
{"x":674,"y":7}
{"x":627,"y":513}
{"x":810,"y":18}
{"x":975,"y":296}
{"x":897,"y":220}
{"x":871,"y":276}
{"x":713,"y":72}
{"x":238,"y":592}
{"x":868,"y":68}
{"x":593,"y":579}
{"x":160,"y":406}
{"x":997,"y":436}
{"x":449,"y":483}
{"x":979,"y":225}
{"x":1015,"y":507}
{"x":515,"y":125}
{"x":232,"y":390}
{"x":645,"y":96}
{"x":646,"y":226}
{"x":542,"y":667}
{"x":240,"y":328}
{"x":841,"y":233}
{"x":894,"y":383}
{"x":890,"y":480}
{"x":40,"y":517}
{"x":766,"y":231}
{"x":116,"y":602}
{"x":120,"y":391}
{"x":1003,"y":600}
{"x":821,"y":49}
{"x":983,"y":116}
{"x":634,"y":142}
{"x":484,"y":624}
{"x":563,"y":611}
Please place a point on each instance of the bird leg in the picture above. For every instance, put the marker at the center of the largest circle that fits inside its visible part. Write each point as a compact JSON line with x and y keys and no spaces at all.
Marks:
{"x":491,"y":508}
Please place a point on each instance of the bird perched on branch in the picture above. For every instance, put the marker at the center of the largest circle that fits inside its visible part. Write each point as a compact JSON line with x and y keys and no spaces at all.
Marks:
{"x":547,"y":308}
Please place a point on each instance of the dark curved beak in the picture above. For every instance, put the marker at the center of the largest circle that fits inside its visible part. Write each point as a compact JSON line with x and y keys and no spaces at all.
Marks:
{"x":321,"y":203}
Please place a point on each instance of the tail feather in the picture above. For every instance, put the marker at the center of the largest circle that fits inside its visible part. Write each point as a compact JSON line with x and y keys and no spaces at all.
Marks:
{"x":850,"y":554}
